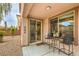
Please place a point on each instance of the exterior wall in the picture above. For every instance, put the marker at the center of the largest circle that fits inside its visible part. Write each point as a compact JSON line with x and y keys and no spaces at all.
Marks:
{"x":24,"y":32}
{"x":76,"y":38}
{"x":78,"y":26}
{"x":19,"y":24}
{"x":21,"y":8}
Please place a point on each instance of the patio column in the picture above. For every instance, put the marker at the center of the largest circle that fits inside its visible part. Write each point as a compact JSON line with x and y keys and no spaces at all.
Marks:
{"x":76,"y":39}
{"x":24,"y":32}
{"x":78,"y":26}
{"x":45,"y":29}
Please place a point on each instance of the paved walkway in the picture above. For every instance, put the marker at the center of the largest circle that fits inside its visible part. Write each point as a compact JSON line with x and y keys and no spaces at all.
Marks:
{"x":11,"y":46}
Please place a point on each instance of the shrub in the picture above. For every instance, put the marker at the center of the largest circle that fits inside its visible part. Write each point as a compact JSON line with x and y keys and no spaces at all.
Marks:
{"x":13,"y":31}
{"x":1,"y":36}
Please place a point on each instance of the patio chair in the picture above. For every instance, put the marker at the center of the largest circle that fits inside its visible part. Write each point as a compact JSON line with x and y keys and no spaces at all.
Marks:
{"x":67,"y":41}
{"x":49,"y":39}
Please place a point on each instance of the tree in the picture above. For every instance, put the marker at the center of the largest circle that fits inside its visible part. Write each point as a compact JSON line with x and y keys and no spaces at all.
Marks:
{"x":5,"y":8}
{"x":5,"y":25}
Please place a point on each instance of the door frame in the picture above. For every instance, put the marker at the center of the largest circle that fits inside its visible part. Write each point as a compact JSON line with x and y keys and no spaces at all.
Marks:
{"x":37,"y":20}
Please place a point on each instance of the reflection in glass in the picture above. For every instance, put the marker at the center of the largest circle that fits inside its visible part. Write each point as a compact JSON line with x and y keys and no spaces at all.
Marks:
{"x":38,"y":30}
{"x":54,"y":25}
{"x":62,"y":24}
{"x":66,"y":25}
{"x":32,"y":31}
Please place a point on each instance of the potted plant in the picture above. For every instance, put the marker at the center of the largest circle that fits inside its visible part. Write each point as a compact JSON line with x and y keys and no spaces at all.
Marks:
{"x":1,"y":36}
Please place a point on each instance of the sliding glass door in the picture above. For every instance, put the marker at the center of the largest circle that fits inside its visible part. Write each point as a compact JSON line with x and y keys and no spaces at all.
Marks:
{"x":35,"y":31}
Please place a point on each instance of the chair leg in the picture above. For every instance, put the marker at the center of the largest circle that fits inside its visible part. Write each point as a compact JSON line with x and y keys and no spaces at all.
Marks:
{"x":59,"y":47}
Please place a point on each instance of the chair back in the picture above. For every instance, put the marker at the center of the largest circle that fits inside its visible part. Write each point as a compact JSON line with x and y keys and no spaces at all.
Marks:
{"x":68,"y":39}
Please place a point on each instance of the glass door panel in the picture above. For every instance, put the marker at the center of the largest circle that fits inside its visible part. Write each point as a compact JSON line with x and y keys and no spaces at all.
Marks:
{"x":54,"y":26}
{"x":38,"y":30}
{"x":32,"y":31}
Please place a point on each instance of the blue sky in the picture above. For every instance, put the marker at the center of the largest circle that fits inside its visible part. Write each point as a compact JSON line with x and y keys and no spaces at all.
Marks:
{"x":11,"y":18}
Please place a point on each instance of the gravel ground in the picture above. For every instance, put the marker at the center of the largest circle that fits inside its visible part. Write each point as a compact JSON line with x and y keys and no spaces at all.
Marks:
{"x":11,"y":46}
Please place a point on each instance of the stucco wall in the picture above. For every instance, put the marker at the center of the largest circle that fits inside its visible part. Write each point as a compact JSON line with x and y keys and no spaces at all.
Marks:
{"x":24,"y":34}
{"x":76,"y":39}
{"x":78,"y":25}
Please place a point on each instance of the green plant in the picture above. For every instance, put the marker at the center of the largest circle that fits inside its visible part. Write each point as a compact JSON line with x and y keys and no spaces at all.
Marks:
{"x":13,"y":31}
{"x":1,"y":36}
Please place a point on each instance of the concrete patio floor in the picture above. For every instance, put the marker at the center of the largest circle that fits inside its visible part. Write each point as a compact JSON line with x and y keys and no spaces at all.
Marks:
{"x":43,"y":50}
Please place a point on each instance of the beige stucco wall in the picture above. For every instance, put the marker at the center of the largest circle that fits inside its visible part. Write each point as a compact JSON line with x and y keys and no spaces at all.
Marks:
{"x":21,"y":9}
{"x":24,"y":35}
{"x":76,"y":39}
{"x":78,"y":25}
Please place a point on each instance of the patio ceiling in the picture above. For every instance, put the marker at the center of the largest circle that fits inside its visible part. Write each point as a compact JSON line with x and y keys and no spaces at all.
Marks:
{"x":40,"y":11}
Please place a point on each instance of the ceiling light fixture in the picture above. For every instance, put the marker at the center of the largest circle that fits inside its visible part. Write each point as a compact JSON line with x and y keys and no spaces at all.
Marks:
{"x":48,"y":8}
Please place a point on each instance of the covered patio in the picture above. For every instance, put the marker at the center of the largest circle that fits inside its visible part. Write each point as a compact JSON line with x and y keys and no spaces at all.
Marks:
{"x":37,"y":21}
